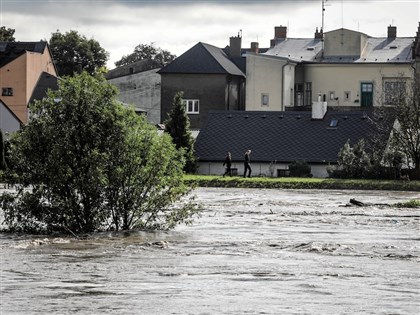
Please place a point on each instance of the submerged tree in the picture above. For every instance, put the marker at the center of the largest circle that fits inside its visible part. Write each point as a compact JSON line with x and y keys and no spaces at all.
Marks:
{"x":178,"y":126}
{"x":86,"y":163}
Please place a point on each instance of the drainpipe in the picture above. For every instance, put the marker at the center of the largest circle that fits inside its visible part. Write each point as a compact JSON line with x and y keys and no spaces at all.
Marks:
{"x":284,"y":84}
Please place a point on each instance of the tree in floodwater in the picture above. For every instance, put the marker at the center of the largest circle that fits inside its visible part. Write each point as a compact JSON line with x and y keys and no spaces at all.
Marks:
{"x":85,"y":163}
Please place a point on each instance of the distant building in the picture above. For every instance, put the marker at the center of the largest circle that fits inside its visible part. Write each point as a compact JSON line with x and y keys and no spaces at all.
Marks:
{"x":139,"y":86}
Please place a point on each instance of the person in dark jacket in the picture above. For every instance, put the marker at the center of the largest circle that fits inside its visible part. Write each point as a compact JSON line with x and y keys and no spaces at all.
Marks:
{"x":228,"y":163}
{"x":247,"y":165}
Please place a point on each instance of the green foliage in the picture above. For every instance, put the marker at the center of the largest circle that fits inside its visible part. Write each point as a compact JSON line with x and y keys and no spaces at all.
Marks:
{"x":6,"y":34}
{"x":178,"y":126}
{"x":414,"y":203}
{"x":300,"y":169}
{"x":74,"y":53}
{"x":85,"y":163}
{"x":160,"y":56}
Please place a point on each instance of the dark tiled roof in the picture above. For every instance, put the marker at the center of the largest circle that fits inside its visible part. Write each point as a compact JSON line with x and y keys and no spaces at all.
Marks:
{"x":281,"y":136}
{"x":46,"y":81}
{"x":204,"y":59}
{"x":9,"y":51}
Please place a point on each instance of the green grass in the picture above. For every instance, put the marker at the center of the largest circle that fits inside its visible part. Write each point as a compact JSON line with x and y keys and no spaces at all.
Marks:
{"x":300,"y":183}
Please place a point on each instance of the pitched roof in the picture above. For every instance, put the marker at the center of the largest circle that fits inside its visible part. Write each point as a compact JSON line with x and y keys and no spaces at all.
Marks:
{"x":203,"y":58}
{"x":282,"y":136}
{"x":9,"y":51}
{"x":376,"y":50}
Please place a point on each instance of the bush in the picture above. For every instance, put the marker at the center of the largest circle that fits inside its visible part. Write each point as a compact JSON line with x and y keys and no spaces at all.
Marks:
{"x":300,"y":169}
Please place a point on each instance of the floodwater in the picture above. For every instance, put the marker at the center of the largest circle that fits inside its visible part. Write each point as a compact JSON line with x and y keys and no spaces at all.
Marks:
{"x":252,"y":251}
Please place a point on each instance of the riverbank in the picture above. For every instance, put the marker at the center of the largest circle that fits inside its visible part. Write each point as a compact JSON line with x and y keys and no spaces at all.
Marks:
{"x":300,"y":183}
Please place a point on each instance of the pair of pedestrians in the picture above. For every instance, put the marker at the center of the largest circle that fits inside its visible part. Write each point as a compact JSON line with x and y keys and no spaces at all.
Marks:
{"x":247,"y":164}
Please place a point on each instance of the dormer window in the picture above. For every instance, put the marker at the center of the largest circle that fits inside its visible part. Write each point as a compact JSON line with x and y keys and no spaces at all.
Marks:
{"x":7,"y":91}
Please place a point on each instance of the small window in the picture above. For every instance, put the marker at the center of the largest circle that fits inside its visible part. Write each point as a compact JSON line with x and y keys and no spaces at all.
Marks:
{"x":264,"y":99}
{"x":347,"y":96}
{"x":332,"y":96}
{"x":192,"y":106}
{"x":333,"y":123}
{"x":395,"y":92}
{"x":7,"y":92}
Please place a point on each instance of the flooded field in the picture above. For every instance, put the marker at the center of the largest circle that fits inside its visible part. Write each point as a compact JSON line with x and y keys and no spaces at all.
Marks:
{"x":252,"y":251}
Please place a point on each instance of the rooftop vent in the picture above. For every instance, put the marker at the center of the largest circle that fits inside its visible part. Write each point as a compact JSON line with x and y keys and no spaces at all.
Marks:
{"x":246,"y":116}
{"x":310,"y":48}
{"x":393,"y":47}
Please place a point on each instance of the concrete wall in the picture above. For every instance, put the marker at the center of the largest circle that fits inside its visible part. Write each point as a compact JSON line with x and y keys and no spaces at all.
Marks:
{"x":268,"y":75}
{"x":209,"y":89}
{"x":343,"y":42}
{"x":258,"y":169}
{"x":142,"y":90}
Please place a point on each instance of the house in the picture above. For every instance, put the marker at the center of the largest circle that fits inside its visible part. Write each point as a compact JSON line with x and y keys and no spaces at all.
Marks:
{"x":347,"y":69}
{"x":26,"y":71}
{"x":211,"y":79}
{"x":139,"y":86}
{"x":277,"y":138}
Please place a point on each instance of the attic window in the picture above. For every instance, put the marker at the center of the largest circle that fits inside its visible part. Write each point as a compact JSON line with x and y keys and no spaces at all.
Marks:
{"x":310,"y":48}
{"x":392,"y":47}
{"x":333,"y":123}
{"x":7,"y":91}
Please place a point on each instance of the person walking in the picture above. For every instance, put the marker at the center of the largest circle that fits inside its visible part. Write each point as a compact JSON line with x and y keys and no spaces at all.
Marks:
{"x":228,"y":163}
{"x":247,"y":165}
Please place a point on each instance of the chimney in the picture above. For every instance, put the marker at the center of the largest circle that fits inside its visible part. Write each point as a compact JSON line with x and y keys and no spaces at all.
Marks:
{"x":235,"y":46}
{"x":254,"y":47}
{"x":319,"y":108}
{"x":319,"y":35}
{"x":392,"y":32}
{"x":280,"y":32}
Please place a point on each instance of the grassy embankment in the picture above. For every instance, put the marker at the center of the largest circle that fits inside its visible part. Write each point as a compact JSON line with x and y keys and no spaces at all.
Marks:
{"x":301,"y":183}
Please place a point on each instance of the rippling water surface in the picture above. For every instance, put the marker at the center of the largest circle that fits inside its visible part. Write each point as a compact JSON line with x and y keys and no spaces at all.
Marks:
{"x":252,"y":251}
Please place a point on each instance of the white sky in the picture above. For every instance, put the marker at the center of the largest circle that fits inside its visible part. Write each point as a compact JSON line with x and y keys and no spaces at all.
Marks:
{"x":175,"y":25}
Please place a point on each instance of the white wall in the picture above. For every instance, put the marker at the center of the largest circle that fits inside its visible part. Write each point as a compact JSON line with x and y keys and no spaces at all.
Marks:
{"x":258,"y":169}
{"x":8,"y":122}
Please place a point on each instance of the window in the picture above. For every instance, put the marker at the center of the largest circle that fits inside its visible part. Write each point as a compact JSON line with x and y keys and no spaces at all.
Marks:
{"x":264,"y":99}
{"x":308,"y":93}
{"x":332,"y":96}
{"x":394,"y":92}
{"x":333,"y":123}
{"x":192,"y":106}
{"x":299,"y":94}
{"x":7,"y":92}
{"x":347,"y":96}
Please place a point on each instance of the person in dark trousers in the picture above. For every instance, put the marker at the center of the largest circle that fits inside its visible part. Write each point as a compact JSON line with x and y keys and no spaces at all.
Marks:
{"x":228,"y":163}
{"x":247,"y":165}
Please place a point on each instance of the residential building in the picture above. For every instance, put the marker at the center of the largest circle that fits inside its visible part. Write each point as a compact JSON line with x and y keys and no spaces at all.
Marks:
{"x":26,"y":72}
{"x":139,"y":85}
{"x":211,"y":78}
{"x":347,"y":69}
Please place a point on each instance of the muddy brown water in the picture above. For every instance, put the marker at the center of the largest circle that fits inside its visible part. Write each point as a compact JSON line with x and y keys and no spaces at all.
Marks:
{"x":252,"y":251}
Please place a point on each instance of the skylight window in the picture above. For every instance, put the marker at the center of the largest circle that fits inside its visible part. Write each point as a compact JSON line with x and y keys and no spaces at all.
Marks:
{"x":333,"y":123}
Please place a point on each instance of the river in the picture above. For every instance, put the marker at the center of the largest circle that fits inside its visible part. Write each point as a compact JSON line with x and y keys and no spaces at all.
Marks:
{"x":252,"y":251}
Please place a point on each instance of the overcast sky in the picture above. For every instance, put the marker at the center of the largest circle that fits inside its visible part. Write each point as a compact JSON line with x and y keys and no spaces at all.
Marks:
{"x":175,"y":25}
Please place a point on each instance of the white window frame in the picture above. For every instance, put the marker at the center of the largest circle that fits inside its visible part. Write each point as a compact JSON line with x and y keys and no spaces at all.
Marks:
{"x":192,"y":106}
{"x":265,"y":99}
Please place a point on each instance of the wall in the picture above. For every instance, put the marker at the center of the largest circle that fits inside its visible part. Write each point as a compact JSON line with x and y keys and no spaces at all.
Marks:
{"x":265,"y":76}
{"x":210,"y":89}
{"x":258,"y":169}
{"x":343,"y":42}
{"x":340,"y":78}
{"x":22,"y":75}
{"x":141,"y":90}
{"x":8,"y":122}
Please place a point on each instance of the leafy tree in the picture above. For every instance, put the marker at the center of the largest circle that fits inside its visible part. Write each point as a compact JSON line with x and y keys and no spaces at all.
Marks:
{"x":300,"y":169}
{"x":6,"y":34}
{"x":2,"y":155}
{"x":74,"y":53}
{"x":85,"y":163}
{"x":406,"y":133}
{"x":147,"y":52}
{"x":178,"y":126}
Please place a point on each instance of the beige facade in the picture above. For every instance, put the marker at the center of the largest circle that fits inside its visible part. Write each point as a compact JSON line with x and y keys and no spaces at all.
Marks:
{"x":270,"y":82}
{"x":20,"y":76}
